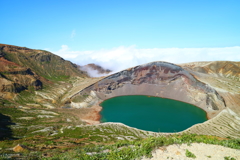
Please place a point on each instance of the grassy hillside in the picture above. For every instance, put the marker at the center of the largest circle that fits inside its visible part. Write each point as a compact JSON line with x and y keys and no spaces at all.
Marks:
{"x":43,"y":63}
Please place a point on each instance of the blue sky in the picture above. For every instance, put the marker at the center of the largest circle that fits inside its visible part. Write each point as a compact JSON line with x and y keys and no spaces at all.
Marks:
{"x":106,"y":25}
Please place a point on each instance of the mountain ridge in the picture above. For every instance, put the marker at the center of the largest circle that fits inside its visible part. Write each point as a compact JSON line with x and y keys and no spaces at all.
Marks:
{"x":29,"y":69}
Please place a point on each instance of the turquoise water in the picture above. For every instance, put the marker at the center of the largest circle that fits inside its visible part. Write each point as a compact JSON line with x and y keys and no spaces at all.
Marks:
{"x":151,"y":113}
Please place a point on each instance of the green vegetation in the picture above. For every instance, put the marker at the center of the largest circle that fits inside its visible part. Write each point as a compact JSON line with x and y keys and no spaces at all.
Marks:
{"x":45,"y":64}
{"x":86,"y":147}
{"x":4,"y":102}
{"x":21,"y":127}
{"x":189,"y":154}
{"x":57,"y":78}
{"x":9,"y":56}
{"x":229,"y":158}
{"x":25,"y":97}
{"x":80,"y":98}
{"x":138,"y":148}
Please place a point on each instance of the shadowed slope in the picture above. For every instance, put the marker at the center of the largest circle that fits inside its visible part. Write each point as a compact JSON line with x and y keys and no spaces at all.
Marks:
{"x":5,"y":130}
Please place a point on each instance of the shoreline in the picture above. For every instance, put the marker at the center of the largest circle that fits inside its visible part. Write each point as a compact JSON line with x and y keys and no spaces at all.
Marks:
{"x":208,"y":116}
{"x":93,"y":117}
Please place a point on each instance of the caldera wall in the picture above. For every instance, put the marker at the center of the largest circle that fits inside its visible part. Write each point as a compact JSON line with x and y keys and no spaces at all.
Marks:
{"x":158,"y":79}
{"x":167,"y":80}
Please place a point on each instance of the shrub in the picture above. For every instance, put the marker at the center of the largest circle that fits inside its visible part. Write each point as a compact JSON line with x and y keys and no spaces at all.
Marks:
{"x":190,"y":154}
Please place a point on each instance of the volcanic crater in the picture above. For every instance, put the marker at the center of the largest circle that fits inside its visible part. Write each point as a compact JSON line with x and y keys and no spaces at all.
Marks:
{"x":165,"y":80}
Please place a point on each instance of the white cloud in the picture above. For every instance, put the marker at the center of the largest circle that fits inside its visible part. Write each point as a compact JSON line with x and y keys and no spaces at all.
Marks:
{"x":123,"y":57}
{"x":94,"y":73}
{"x":73,"y":34}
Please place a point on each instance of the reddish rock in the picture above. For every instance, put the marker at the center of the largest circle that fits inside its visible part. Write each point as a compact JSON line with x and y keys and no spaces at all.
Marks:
{"x":19,"y":148}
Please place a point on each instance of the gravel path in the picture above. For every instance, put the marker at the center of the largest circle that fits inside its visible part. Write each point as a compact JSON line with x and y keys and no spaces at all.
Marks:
{"x":200,"y":150}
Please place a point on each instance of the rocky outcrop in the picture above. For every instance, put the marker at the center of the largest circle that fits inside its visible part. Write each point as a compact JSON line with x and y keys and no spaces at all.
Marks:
{"x":14,"y":87}
{"x":15,"y":78}
{"x":20,"y":148}
{"x":90,"y":100}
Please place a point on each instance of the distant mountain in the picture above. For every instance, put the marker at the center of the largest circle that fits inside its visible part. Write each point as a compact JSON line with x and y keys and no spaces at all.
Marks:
{"x":94,"y":70}
{"x":227,"y":69}
{"x":44,"y":63}
{"x":28,"y":69}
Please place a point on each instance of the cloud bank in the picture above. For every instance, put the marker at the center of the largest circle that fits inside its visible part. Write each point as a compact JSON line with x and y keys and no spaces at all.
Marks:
{"x":123,"y":57}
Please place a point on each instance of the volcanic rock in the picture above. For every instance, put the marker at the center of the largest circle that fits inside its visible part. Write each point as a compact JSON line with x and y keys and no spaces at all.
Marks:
{"x":19,"y":148}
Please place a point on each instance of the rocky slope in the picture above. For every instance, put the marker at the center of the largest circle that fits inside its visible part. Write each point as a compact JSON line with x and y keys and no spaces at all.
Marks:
{"x":224,"y":76}
{"x":15,"y":78}
{"x":24,"y":69}
{"x":226,"y":69}
{"x":44,"y":63}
